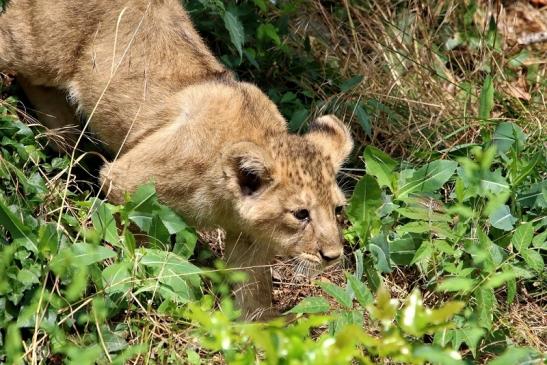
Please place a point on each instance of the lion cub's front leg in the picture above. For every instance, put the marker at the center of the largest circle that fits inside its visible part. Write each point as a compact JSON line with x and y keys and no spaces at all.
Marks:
{"x":253,"y":297}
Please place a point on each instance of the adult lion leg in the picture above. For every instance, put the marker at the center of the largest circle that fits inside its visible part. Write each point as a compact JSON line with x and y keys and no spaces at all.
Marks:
{"x":253,"y":297}
{"x":54,"y":112}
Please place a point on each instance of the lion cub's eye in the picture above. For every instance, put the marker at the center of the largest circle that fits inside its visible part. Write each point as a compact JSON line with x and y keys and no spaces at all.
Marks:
{"x":339,"y":209}
{"x":302,"y":214}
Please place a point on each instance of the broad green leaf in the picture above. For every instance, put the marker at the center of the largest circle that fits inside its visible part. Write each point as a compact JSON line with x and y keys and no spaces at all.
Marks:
{"x":425,"y":214}
{"x":235,"y":29}
{"x":86,"y":254}
{"x":117,"y":277}
{"x":436,"y":355}
{"x":514,"y":355}
{"x":501,"y":218}
{"x":311,"y":305}
{"x":402,"y":250}
{"x":428,"y":178}
{"x":456,"y":284}
{"x":380,"y":165}
{"x":176,"y":266}
{"x":337,"y":293}
{"x":364,"y":119}
{"x":424,"y":252}
{"x":493,"y":182}
{"x":351,"y":83}
{"x":486,"y":306}
{"x":506,"y":135}
{"x":379,"y":249}
{"x":28,"y":277}
{"x":373,"y":278}
{"x":486,"y":99}
{"x":533,"y":259}
{"x":361,"y":291}
{"x":105,"y":223}
{"x":366,"y":199}
{"x":171,"y":220}
{"x":499,"y":279}
{"x":17,"y":228}
{"x":523,"y":236}
{"x":540,"y":241}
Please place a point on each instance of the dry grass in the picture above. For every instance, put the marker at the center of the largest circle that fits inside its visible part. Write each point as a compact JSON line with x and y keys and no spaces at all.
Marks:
{"x":431,"y":93}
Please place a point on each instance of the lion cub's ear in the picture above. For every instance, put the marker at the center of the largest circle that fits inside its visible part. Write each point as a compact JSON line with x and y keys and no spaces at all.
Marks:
{"x":248,"y":168}
{"x":332,"y":137}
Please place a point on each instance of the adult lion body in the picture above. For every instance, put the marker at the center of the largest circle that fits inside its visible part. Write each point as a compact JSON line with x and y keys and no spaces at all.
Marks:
{"x":218,"y":149}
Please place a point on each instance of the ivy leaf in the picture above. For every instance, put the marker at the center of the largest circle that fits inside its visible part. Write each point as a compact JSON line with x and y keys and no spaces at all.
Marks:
{"x":429,"y":178}
{"x":380,"y":165}
{"x":311,"y":305}
{"x":501,"y":218}
{"x":235,"y":29}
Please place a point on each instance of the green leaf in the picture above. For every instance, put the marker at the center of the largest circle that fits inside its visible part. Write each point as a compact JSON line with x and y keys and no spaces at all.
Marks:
{"x":311,"y":305}
{"x":486,"y":306}
{"x":493,"y":182}
{"x":379,"y":249}
{"x":501,"y":218}
{"x":486,"y":99}
{"x":499,"y":279}
{"x":436,"y":355}
{"x":454,"y":284}
{"x":366,"y":199}
{"x":351,"y":83}
{"x":268,"y":31}
{"x":373,"y":278}
{"x":337,"y":293}
{"x":381,"y":166}
{"x":514,"y":355}
{"x":402,"y":250}
{"x":171,"y":220}
{"x":235,"y":29}
{"x":105,"y":224}
{"x":364,"y":119}
{"x":428,"y":178}
{"x":533,"y":259}
{"x":17,"y":228}
{"x":424,"y":252}
{"x":86,"y":254}
{"x":506,"y":135}
{"x":523,"y":236}
{"x":117,"y":277}
{"x":361,"y":291}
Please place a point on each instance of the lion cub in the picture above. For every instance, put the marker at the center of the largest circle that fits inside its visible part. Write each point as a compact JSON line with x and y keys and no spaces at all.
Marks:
{"x":218,"y":149}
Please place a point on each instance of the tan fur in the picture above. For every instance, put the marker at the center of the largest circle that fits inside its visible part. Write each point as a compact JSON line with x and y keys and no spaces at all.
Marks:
{"x":218,"y":150}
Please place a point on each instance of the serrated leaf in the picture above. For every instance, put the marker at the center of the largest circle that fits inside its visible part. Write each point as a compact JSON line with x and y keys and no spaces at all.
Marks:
{"x":311,"y":305}
{"x":380,"y":165}
{"x":235,"y":29}
{"x":501,"y":218}
{"x":523,"y":236}
{"x":486,"y":306}
{"x":423,"y":252}
{"x":366,"y":199}
{"x":533,"y":259}
{"x":362,"y":293}
{"x":428,"y":178}
{"x":337,"y":293}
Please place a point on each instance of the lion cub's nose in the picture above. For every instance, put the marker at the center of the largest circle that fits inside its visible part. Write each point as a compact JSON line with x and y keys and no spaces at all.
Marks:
{"x":329,"y":255}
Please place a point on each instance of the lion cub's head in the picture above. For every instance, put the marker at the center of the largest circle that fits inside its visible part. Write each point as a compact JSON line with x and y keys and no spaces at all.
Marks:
{"x":286,"y":193}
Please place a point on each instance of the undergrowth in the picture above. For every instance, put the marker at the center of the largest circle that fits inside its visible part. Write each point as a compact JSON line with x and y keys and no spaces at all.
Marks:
{"x":446,"y":221}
